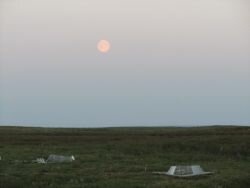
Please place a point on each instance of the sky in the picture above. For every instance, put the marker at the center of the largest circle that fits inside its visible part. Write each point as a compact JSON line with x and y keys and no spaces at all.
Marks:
{"x":171,"y":62}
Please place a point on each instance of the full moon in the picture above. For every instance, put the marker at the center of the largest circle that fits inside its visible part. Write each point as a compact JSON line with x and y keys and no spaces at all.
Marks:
{"x":103,"y":46}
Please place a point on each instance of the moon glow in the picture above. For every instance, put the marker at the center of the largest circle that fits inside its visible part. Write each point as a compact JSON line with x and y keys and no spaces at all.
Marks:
{"x":103,"y":46}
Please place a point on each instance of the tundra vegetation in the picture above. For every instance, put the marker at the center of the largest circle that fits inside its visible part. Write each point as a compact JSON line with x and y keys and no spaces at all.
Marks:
{"x":124,"y":157}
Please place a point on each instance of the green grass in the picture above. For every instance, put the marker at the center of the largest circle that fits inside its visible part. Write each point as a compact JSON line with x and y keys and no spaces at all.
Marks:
{"x":124,"y":157}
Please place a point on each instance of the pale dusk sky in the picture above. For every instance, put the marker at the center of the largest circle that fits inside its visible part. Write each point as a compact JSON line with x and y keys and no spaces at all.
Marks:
{"x":171,"y":62}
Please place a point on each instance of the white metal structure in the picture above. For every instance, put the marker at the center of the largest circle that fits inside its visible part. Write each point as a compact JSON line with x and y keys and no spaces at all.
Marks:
{"x":60,"y":159}
{"x":185,"y":171}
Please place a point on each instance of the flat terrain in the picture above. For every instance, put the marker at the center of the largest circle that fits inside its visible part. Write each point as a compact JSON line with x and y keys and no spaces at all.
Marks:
{"x":124,"y":157}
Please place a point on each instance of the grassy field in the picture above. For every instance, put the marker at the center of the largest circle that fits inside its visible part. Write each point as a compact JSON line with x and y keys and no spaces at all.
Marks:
{"x":124,"y":157}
